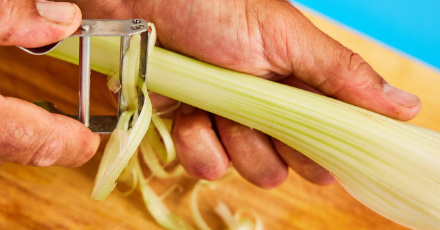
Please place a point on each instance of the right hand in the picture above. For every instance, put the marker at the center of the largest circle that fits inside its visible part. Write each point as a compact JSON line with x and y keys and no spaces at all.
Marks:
{"x":30,"y":135}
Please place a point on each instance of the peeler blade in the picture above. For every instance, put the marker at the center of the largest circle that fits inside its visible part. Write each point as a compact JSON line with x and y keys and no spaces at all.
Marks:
{"x":124,"y":28}
{"x":98,"y":124}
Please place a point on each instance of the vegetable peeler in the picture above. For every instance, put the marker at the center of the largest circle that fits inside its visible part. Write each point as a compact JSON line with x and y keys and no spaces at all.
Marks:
{"x":124,"y":28}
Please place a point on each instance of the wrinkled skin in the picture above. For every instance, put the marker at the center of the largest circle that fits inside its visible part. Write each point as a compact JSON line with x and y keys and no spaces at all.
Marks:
{"x":265,"y":38}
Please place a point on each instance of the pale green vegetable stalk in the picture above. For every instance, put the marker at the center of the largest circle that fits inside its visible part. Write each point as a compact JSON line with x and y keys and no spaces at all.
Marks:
{"x":390,"y":166}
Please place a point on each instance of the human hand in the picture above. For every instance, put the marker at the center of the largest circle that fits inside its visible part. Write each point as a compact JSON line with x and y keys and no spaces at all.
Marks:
{"x":30,"y":135}
{"x":264,"y":38}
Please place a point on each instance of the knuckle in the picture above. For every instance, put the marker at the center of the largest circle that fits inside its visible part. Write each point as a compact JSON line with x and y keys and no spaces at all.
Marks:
{"x":346,"y":76}
{"x":60,"y":151}
{"x":49,"y":153}
{"x":190,"y":130}
{"x":50,"y":148}
{"x":237,"y":131}
{"x":360,"y":74}
{"x":270,"y":174}
{"x":357,"y":65}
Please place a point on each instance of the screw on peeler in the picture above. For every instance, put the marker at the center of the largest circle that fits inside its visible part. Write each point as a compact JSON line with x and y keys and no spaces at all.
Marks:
{"x":124,"y":28}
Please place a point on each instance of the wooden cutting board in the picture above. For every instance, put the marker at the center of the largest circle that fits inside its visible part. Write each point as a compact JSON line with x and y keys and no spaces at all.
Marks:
{"x":58,"y":198}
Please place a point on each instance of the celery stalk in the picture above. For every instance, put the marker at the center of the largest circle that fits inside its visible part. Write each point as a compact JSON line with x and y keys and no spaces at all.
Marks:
{"x":390,"y":166}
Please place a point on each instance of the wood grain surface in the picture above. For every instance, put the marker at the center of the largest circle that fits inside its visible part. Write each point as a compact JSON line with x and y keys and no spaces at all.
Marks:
{"x":58,"y":198}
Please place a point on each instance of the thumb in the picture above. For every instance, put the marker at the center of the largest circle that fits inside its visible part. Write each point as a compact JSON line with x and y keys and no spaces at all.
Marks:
{"x":30,"y":23}
{"x":32,"y":136}
{"x":324,"y":64}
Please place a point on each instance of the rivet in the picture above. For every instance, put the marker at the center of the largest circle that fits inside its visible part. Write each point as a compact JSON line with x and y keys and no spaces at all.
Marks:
{"x":85,"y":27}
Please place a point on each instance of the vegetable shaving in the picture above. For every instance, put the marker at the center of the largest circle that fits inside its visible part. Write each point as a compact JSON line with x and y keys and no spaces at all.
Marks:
{"x":233,"y":222}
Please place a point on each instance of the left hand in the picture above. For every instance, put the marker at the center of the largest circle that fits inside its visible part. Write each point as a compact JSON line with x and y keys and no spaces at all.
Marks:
{"x":265,"y":38}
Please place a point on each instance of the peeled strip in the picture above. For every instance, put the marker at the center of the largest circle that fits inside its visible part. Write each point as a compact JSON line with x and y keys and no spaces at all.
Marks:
{"x":157,"y":145}
{"x":233,"y":222}
{"x":226,"y":215}
{"x":106,"y":184}
{"x":124,"y":119}
{"x":131,"y":68}
{"x":168,"y":123}
{"x":126,"y":174}
{"x":110,"y":153}
{"x":156,"y":207}
{"x":224,"y":212}
{"x":198,"y":219}
{"x":257,"y":219}
{"x":166,"y":137}
{"x":134,"y":184}
{"x":150,"y":159}
{"x":106,"y":181}
{"x":113,"y":83}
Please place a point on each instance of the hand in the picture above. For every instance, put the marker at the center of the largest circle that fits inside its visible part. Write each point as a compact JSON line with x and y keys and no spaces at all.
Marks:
{"x":30,"y":135}
{"x":269,"y":39}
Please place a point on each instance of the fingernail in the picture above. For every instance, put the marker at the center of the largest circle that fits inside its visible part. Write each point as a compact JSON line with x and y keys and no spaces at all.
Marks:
{"x":399,"y":96}
{"x":61,"y":12}
{"x":187,"y":109}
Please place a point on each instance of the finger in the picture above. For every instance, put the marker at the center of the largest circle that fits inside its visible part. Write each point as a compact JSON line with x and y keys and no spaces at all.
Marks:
{"x":302,"y":50}
{"x":160,"y":102}
{"x":252,"y":154}
{"x":32,"y":136}
{"x":199,"y":150}
{"x":30,"y":23}
{"x":302,"y":165}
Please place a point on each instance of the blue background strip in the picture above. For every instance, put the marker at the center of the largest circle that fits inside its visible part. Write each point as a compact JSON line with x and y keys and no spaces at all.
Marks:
{"x":410,"y":26}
